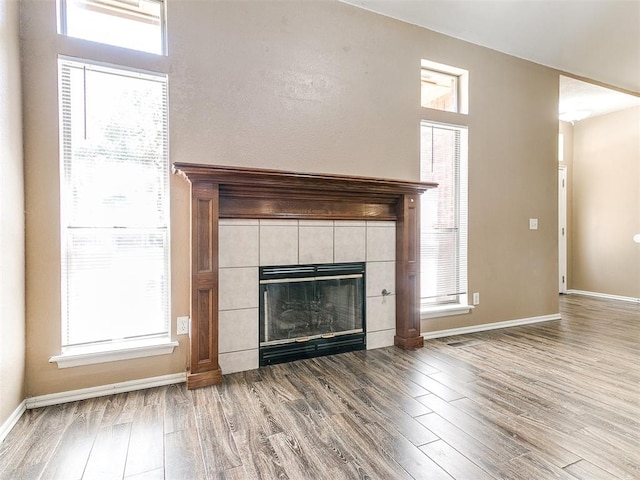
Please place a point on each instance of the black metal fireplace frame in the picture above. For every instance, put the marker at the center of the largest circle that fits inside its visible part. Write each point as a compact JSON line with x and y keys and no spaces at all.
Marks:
{"x":317,"y":347}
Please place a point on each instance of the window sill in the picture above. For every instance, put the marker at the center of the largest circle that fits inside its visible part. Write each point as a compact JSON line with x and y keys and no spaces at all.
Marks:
{"x":113,"y":352}
{"x":445,"y":311}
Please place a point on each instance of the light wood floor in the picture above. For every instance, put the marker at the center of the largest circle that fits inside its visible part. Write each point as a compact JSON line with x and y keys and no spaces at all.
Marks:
{"x":553,"y":400}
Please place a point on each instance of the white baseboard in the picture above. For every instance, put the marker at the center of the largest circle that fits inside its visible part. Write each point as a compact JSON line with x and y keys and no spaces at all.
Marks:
{"x":603,"y":295}
{"x":84,"y":393}
{"x":6,"y":427}
{"x":489,"y":326}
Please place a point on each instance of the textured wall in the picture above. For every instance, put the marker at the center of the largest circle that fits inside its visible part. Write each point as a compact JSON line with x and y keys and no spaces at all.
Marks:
{"x":318,"y":87}
{"x":12,"y":270}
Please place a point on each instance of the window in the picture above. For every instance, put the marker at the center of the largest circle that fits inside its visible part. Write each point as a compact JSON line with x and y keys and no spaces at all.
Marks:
{"x":443,"y":87}
{"x":439,"y":90}
{"x":135,"y":24}
{"x":114,"y":204}
{"x":443,"y":159}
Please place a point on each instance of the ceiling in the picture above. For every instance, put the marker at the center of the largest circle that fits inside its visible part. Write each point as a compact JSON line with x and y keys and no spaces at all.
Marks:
{"x":581,"y":99}
{"x":593,"y":39}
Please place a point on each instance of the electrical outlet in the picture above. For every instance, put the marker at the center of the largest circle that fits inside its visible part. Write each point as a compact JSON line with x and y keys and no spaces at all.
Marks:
{"x":182,"y":326}
{"x":476,"y":298}
{"x":533,"y":224}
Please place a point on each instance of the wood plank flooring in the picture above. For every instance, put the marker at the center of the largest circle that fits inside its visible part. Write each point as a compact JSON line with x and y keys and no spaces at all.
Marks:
{"x":557,"y":400}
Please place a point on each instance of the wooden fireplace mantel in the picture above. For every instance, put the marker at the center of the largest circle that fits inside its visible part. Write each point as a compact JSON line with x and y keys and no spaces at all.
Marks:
{"x":232,"y":192}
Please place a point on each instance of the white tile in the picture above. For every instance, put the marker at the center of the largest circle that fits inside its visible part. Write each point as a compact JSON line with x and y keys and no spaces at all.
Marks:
{"x":315,"y":223}
{"x":380,"y":276}
{"x":379,"y":339}
{"x":279,"y":222}
{"x":278,"y":245}
{"x":238,"y":246}
{"x":238,"y":288}
{"x":381,"y":313}
{"x":315,"y":244}
{"x":238,"y":330}
{"x":381,"y":223}
{"x":242,"y":361}
{"x":350,"y":243}
{"x":350,"y":223}
{"x":238,"y":221}
{"x":381,"y":241}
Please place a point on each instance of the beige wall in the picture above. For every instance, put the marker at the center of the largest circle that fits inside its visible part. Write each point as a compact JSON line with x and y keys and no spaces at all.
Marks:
{"x":12,"y":313}
{"x":310,"y":87}
{"x":606,"y":204}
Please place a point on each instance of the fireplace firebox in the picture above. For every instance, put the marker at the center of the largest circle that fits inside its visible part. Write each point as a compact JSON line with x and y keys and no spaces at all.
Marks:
{"x":311,"y":310}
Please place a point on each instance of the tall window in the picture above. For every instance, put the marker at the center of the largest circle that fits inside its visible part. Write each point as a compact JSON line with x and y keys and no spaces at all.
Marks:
{"x":135,"y":24}
{"x":114,"y":204}
{"x":443,"y":159}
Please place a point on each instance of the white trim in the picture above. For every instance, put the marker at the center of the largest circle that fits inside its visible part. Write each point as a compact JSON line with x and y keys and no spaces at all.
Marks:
{"x":603,"y":295}
{"x":489,"y":326}
{"x":563,"y":271}
{"x":445,"y":311}
{"x":10,"y":422}
{"x":113,"y":388}
{"x":77,"y":356}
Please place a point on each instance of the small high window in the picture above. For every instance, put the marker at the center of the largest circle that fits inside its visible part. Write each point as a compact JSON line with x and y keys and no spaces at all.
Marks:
{"x":134,"y":24}
{"x":443,"y":87}
{"x":439,"y":90}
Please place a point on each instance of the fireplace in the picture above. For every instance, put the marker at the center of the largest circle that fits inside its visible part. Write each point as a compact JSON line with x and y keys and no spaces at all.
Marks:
{"x":311,"y":310}
{"x":223,"y":192}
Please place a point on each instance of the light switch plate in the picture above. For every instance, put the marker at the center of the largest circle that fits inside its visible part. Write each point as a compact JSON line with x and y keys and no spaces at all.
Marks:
{"x":533,"y":224}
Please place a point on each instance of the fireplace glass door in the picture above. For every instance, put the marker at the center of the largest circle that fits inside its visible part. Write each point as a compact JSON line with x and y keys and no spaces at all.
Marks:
{"x":311,"y":304}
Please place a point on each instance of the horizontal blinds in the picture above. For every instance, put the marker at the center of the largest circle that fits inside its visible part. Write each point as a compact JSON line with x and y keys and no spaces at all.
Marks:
{"x":443,"y":221}
{"x":114,"y":203}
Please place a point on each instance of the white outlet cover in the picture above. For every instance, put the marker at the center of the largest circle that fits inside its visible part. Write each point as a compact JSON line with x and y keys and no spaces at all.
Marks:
{"x":533,"y":224}
{"x":182,"y":327}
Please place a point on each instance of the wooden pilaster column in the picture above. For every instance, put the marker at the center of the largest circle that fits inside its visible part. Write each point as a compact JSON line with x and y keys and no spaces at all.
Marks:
{"x":408,"y":273}
{"x":204,"y":367}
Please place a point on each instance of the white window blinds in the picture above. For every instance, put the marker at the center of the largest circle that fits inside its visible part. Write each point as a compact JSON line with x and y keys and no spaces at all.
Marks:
{"x":114,"y":203}
{"x":443,"y":214}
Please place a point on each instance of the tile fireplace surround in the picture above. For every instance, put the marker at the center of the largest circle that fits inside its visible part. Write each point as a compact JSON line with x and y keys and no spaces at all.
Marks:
{"x":245,"y":218}
{"x":244,"y":245}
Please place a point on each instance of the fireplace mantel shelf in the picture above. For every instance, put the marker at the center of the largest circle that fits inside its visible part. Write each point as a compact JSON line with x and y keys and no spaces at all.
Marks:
{"x":233,"y":192}
{"x":253,"y":193}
